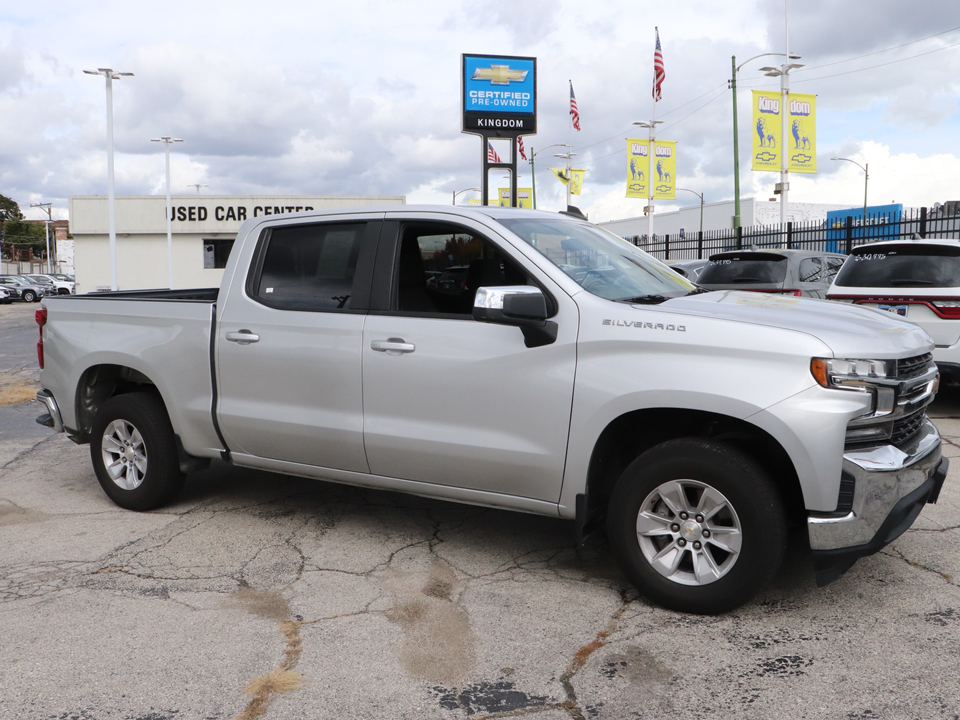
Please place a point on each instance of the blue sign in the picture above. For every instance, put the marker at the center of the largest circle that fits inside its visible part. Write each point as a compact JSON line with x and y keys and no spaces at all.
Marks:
{"x":500,"y":94}
{"x":881,"y":221}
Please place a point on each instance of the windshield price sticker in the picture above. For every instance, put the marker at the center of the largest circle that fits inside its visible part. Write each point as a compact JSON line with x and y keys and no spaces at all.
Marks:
{"x":869,"y":256}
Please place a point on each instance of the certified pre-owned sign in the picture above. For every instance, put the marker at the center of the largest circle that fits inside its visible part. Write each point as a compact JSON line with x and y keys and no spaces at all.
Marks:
{"x":499,"y":95}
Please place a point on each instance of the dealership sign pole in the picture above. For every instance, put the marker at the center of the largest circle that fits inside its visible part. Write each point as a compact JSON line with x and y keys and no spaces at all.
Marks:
{"x":498,"y":100}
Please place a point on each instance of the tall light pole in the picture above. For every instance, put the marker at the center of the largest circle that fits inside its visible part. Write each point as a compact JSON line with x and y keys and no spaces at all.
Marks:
{"x":569,"y":158}
{"x":699,"y":195}
{"x":533,"y":167}
{"x":48,"y":208}
{"x":783,"y":72}
{"x":463,"y":191}
{"x":736,"y":139}
{"x":866,"y":177}
{"x":651,"y":145}
{"x":111,"y":75}
{"x":167,"y":141}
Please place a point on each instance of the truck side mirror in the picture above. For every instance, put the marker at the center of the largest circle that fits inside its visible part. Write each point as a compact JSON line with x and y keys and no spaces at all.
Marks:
{"x":522,"y":306}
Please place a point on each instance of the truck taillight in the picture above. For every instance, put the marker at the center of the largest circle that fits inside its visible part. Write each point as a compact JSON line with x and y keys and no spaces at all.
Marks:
{"x":41,"y":321}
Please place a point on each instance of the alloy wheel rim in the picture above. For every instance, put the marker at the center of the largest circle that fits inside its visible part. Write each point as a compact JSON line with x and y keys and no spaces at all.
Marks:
{"x":124,"y":454}
{"x":689,"y":532}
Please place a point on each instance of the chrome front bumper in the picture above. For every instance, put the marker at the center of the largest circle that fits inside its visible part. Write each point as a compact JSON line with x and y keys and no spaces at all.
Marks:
{"x":891,"y":487}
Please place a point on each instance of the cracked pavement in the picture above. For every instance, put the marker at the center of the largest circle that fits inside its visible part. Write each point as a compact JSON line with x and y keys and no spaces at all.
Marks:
{"x":260,"y":595}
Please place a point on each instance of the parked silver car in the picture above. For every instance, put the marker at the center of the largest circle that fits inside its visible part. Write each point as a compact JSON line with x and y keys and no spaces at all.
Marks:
{"x":29,"y":291}
{"x":787,"y":272}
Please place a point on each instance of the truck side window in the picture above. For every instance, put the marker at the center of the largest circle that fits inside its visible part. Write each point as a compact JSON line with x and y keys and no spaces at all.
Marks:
{"x":309,"y":267}
{"x":440,"y":267}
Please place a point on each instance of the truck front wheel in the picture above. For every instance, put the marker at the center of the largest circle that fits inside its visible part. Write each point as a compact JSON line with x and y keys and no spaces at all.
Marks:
{"x":134,"y":452}
{"x":697,"y":525}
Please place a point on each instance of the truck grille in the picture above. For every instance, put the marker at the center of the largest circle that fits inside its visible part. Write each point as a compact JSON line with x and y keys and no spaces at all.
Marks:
{"x":912,"y":367}
{"x":906,"y":428}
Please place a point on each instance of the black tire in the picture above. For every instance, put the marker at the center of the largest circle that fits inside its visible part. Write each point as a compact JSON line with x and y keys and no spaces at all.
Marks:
{"x":705,"y":562}
{"x":63,"y":291}
{"x":133,"y":433}
{"x":29,"y":296}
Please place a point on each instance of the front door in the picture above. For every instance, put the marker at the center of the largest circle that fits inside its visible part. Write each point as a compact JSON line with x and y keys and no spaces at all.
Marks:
{"x":452,"y":401}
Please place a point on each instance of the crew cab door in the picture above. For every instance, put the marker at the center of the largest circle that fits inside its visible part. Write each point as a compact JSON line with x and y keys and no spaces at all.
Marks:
{"x":288,"y":345}
{"x":449,"y":400}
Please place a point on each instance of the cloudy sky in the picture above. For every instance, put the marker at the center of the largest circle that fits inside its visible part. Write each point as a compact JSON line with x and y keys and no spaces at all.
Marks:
{"x":362,"y":97}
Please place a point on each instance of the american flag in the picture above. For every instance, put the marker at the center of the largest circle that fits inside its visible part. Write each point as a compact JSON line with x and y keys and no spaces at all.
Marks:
{"x":573,"y":109}
{"x":658,"y":72}
{"x":492,"y":154}
{"x":523,"y":152}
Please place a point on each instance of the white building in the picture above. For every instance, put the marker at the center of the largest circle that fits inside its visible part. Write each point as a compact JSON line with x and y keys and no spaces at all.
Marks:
{"x":204,"y":228}
{"x":719,"y":216}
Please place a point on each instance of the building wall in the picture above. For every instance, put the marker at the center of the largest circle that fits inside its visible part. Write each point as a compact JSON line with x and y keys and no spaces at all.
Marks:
{"x":141,"y":231}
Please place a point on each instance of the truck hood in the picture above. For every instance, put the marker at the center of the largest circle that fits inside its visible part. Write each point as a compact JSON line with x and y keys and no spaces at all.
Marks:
{"x":849,"y":330}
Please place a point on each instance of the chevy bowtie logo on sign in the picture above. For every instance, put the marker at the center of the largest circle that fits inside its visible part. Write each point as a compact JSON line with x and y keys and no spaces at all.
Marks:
{"x":499,"y":95}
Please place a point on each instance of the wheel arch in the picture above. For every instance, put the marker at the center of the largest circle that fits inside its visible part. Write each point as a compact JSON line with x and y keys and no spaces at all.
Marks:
{"x":626,"y":437}
{"x":99,"y":383}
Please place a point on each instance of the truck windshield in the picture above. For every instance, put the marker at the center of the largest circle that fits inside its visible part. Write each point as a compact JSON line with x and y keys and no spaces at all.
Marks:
{"x":903,"y":266}
{"x":599,"y":261}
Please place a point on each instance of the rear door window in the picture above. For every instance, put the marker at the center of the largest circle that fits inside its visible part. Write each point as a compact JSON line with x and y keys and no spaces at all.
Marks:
{"x":746,"y":268}
{"x":902,"y":266}
{"x":308,"y":267}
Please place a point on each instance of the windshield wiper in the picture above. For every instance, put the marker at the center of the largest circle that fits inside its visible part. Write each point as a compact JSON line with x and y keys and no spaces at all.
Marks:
{"x":645,"y":299}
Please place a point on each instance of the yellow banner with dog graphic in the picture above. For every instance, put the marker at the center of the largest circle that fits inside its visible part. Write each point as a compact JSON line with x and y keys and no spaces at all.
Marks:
{"x":768,"y":129}
{"x":800,"y":145}
{"x":638,"y":165}
{"x":802,"y":142}
{"x":665,"y":170}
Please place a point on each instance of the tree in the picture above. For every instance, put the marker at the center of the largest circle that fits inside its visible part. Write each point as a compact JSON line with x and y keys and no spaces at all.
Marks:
{"x":9,"y":210}
{"x":15,"y":231}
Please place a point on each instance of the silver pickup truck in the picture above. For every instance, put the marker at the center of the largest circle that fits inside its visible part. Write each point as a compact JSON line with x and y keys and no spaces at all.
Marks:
{"x":556,"y":370}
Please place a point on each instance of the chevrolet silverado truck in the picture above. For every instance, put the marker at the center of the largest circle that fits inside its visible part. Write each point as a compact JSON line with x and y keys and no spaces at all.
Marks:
{"x":565,"y":373}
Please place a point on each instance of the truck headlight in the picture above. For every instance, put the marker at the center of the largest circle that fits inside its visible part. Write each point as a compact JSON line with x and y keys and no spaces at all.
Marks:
{"x":851,"y":374}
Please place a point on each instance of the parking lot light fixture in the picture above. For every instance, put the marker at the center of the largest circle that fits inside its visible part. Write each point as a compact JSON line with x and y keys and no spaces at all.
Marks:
{"x":866,"y":177}
{"x":166,"y":140}
{"x":463,"y":191}
{"x":110,"y":75}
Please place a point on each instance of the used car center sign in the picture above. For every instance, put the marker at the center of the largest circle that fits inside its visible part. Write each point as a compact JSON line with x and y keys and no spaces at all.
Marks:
{"x":499,"y":95}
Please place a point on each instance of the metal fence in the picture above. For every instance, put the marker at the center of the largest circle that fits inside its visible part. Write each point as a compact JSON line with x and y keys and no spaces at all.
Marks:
{"x":840,"y":237}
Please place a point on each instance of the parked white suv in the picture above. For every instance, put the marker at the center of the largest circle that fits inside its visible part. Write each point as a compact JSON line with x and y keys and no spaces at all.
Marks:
{"x":917,"y":280}
{"x":64,"y":287}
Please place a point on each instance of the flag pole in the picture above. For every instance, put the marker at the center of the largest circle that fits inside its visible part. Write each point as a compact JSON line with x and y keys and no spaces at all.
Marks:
{"x":652,"y":146}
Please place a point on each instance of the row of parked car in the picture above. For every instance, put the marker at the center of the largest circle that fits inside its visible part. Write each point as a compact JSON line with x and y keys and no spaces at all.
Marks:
{"x":32,"y":288}
{"x":918,"y":280}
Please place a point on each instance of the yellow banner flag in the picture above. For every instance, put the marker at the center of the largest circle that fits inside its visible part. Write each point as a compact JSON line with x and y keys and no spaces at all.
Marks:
{"x":768,"y":128}
{"x":524,"y":197}
{"x":576,"y":182}
{"x":802,"y":142}
{"x":561,"y":174}
{"x":638,"y":165}
{"x":665,"y":170}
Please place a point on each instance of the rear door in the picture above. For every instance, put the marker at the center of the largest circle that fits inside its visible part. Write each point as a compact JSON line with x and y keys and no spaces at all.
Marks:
{"x":288,"y":345}
{"x":452,"y":401}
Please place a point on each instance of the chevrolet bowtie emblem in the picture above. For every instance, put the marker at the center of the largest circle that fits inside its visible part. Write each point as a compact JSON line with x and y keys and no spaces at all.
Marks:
{"x":499,"y":74}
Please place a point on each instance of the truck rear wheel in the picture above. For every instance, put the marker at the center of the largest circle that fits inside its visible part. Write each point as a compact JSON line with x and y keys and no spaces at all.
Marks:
{"x":134,"y":452}
{"x":697,"y":526}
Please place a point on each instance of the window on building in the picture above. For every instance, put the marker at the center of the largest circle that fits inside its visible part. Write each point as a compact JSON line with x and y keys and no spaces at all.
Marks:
{"x":216,"y":252}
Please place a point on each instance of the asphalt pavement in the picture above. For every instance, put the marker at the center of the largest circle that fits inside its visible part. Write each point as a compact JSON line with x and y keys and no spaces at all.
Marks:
{"x":259,"y":595}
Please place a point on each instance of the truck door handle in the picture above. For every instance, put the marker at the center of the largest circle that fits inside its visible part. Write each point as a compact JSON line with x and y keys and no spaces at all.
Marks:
{"x":244,"y":337}
{"x":393,"y":346}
